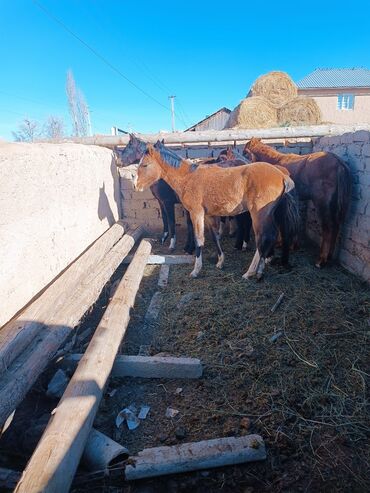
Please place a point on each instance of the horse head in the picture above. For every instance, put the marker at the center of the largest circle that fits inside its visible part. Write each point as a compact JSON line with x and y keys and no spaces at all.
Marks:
{"x":132,"y":153}
{"x":149,"y":170}
{"x":251,"y":146}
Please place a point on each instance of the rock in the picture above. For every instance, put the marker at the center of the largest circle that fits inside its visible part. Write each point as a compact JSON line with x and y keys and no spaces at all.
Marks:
{"x":200,"y":335}
{"x":180,"y":433}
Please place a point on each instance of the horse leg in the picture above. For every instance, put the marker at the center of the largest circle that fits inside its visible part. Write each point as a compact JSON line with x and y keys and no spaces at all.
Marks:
{"x":216,"y":239}
{"x":165,"y":222}
{"x":323,"y":211}
{"x":247,"y":222}
{"x":170,"y":208}
{"x":189,"y":246}
{"x":197,"y":218}
{"x":233,"y":227}
{"x":222,"y":226}
{"x":266,"y":234}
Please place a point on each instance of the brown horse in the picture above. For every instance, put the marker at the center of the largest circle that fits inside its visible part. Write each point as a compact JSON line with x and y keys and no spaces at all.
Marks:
{"x":259,"y":188}
{"x":321,"y":177}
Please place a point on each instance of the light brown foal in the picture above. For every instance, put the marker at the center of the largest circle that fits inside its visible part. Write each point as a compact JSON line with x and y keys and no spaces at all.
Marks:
{"x":259,"y":188}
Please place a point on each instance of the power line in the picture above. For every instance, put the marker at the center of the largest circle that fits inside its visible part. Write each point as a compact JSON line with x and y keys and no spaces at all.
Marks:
{"x":98,"y":55}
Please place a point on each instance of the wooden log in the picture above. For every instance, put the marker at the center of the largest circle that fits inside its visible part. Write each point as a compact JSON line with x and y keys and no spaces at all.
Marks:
{"x":55,"y":460}
{"x":227,"y":135}
{"x":165,"y":259}
{"x":149,"y":366}
{"x":25,"y":370}
{"x":160,"y":461}
{"x":101,"y":452}
{"x":17,"y":334}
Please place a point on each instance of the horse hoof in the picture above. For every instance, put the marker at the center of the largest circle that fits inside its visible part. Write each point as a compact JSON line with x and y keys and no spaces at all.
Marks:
{"x":193,"y":274}
{"x":319,"y":265}
{"x":259,"y":277}
{"x":247,"y":276}
{"x":219,"y":265}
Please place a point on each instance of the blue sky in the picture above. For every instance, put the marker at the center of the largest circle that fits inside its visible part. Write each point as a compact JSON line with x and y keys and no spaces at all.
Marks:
{"x":206,"y":53}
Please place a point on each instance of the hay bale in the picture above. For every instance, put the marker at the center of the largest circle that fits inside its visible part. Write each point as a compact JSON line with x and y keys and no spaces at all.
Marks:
{"x":277,"y":87}
{"x":253,"y":112}
{"x":301,"y":110}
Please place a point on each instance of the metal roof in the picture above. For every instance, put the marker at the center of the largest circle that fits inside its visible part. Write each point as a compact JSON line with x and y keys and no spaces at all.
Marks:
{"x":336,"y":77}
{"x":223,"y":109}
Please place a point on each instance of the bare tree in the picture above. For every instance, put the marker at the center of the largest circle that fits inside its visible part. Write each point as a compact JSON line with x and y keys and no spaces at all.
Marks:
{"x":28,"y":131}
{"x":78,"y":108}
{"x":54,"y":127}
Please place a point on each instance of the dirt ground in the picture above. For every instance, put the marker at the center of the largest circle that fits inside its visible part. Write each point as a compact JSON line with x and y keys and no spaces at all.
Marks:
{"x":298,"y":376}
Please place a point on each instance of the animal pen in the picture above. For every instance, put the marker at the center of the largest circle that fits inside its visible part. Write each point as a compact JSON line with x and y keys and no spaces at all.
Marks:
{"x":127,"y":375}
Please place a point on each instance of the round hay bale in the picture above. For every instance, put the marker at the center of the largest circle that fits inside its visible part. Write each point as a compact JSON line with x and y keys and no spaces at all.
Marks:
{"x":277,"y":87}
{"x":301,"y":110}
{"x":253,"y":113}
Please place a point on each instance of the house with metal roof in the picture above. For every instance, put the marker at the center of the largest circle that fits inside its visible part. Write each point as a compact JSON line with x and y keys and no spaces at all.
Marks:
{"x":216,"y":121}
{"x":343,"y":94}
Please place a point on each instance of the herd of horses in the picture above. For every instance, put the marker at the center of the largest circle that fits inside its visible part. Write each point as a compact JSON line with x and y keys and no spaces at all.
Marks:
{"x":260,"y":188}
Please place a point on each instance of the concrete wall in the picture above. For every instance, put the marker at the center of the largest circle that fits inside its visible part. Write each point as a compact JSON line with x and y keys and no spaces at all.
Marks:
{"x":354,"y":148}
{"x":55,"y":200}
{"x":327,"y":102}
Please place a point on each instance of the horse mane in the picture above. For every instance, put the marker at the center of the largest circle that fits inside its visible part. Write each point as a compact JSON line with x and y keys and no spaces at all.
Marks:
{"x":168,"y":156}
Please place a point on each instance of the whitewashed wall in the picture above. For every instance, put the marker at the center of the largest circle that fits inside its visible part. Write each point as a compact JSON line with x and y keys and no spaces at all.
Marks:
{"x":55,"y":200}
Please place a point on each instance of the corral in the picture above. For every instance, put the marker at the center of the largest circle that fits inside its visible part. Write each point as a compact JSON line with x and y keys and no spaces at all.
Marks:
{"x":295,"y":375}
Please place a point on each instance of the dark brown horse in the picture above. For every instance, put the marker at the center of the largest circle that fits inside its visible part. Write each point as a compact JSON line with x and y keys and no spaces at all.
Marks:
{"x":321,"y":177}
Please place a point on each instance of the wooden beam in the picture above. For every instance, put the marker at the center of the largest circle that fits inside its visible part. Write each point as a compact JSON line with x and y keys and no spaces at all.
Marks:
{"x":227,"y":135}
{"x":55,"y":460}
{"x":149,"y":366}
{"x":165,"y":259}
{"x":17,"y":334}
{"x":160,"y":461}
{"x":24,"y":371}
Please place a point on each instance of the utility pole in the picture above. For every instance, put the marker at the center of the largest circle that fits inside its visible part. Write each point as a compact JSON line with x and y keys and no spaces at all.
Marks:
{"x":172,"y":98}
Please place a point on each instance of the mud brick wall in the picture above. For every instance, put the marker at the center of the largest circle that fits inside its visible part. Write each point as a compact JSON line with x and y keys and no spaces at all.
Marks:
{"x":354,"y":149}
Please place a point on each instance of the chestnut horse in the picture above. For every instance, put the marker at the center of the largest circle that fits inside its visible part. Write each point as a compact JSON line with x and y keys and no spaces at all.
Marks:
{"x":259,"y":188}
{"x":321,"y":177}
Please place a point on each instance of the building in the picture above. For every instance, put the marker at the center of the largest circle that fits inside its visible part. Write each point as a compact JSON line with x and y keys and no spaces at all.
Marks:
{"x":216,"y":121}
{"x":343,"y":94}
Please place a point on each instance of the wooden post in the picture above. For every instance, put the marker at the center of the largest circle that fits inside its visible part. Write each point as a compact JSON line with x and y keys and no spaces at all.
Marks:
{"x":25,"y":370}
{"x":17,"y":334}
{"x":55,"y":460}
{"x":219,"y":452}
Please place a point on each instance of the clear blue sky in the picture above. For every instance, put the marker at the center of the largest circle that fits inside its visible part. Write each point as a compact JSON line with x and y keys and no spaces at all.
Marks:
{"x":207,"y":53}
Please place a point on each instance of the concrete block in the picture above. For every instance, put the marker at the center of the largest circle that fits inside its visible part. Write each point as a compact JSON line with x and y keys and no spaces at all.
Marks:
{"x":366,"y":150}
{"x":343,"y":139}
{"x":354,"y":149}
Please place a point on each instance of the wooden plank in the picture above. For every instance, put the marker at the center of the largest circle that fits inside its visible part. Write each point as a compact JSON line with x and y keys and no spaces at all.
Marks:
{"x":24,"y":371}
{"x":17,"y":334}
{"x":55,"y":460}
{"x":165,"y":259}
{"x":226,"y":135}
{"x":149,"y":366}
{"x":160,"y":461}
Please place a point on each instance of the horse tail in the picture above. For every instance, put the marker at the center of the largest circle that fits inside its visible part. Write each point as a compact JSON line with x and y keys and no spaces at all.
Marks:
{"x":287,"y":212}
{"x":343,"y":192}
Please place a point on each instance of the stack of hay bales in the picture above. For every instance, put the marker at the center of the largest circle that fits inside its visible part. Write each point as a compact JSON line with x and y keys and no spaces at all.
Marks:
{"x":273,"y":101}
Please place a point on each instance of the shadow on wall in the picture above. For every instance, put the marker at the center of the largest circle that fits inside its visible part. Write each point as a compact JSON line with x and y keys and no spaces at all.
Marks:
{"x":104,"y":208}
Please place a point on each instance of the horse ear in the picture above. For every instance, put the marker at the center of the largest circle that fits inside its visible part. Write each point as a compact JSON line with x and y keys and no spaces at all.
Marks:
{"x":133,"y":137}
{"x":162,"y":141}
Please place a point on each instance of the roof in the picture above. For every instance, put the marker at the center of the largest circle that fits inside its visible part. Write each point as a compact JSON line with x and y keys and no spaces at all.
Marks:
{"x":336,"y":77}
{"x":224,"y":109}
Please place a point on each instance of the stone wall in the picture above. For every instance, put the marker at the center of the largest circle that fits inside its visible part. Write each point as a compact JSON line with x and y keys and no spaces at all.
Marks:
{"x":354,"y":149}
{"x":55,"y":200}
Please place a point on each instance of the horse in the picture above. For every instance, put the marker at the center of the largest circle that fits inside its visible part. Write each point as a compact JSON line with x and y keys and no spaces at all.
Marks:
{"x":164,"y":194}
{"x":321,"y":177}
{"x":167,"y":198}
{"x":259,"y":188}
